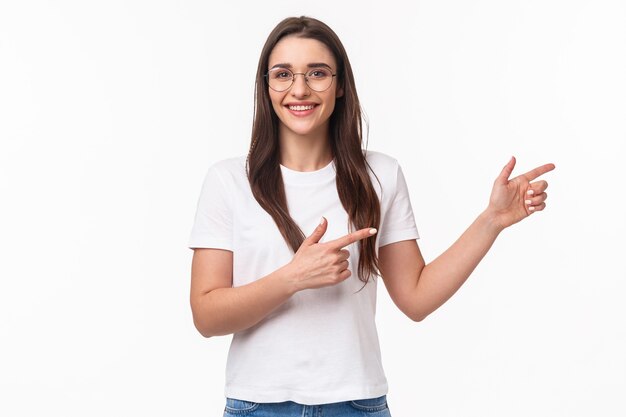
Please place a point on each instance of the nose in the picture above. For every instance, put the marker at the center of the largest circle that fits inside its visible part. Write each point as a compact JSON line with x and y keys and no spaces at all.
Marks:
{"x":299,"y":87}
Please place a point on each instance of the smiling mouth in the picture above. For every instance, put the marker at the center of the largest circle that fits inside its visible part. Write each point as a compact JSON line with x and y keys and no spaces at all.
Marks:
{"x":301,"y":108}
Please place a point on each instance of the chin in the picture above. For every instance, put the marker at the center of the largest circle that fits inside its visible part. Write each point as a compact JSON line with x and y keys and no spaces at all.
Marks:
{"x":303,"y":131}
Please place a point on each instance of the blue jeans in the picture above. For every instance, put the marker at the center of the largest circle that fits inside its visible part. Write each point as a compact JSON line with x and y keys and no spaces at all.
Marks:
{"x":375,"y":407}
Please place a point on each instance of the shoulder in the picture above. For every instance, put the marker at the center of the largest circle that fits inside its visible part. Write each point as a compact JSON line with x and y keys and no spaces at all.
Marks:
{"x":229,"y":164}
{"x":380,"y":159}
{"x":386,"y":174}
{"x":383,"y":171}
{"x":381,"y":164}
{"x":226,"y":174}
{"x":234,"y":167}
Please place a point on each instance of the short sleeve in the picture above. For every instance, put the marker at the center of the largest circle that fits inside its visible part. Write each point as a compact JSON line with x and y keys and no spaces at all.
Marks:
{"x":212,"y":227}
{"x":398,"y":221}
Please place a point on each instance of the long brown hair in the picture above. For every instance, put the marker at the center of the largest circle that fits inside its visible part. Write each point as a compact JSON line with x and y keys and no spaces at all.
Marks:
{"x":354,"y":187}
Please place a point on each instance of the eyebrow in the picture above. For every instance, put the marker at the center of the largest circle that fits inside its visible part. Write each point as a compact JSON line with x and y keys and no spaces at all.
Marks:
{"x":311,"y":65}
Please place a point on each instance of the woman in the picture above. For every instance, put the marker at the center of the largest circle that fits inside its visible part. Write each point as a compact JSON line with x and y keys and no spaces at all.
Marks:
{"x":299,"y":293}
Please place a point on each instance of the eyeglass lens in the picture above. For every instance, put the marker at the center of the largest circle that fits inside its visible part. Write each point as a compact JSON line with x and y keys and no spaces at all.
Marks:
{"x":318,"y":79}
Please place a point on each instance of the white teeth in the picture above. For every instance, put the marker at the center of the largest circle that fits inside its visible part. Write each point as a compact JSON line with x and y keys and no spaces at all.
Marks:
{"x":300,"y":108}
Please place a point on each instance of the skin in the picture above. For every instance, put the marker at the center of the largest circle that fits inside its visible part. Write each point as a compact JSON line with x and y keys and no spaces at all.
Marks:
{"x":416,"y":288}
{"x":304,"y":142}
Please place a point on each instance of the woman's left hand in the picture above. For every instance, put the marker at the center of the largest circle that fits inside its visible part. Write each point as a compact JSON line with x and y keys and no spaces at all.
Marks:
{"x":515,"y":199}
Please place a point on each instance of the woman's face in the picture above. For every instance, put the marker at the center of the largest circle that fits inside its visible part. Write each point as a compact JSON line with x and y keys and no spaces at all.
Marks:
{"x":301,"y":110}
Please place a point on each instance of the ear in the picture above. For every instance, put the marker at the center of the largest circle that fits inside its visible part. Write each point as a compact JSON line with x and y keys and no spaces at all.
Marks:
{"x":339,"y":93}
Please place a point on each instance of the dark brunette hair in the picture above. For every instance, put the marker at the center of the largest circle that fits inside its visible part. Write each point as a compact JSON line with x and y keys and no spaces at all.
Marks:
{"x":354,"y":185}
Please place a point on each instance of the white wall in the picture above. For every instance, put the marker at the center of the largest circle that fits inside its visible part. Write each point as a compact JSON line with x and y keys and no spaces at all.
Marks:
{"x":111,"y":112}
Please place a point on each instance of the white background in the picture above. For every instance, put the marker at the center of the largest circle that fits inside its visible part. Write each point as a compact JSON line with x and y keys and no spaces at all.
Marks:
{"x":111,"y":113}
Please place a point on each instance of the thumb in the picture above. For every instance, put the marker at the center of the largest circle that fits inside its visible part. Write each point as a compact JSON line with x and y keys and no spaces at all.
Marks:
{"x":503,"y":178}
{"x":317,"y":233}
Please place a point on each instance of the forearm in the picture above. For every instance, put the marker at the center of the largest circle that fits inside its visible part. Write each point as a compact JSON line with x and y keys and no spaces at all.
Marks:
{"x":441,"y":278}
{"x":228,"y":310}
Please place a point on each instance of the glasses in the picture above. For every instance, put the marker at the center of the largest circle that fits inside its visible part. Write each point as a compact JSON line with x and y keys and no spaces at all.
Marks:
{"x":318,"y":79}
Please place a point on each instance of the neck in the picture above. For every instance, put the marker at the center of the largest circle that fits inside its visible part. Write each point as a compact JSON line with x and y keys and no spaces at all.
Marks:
{"x":305,"y":152}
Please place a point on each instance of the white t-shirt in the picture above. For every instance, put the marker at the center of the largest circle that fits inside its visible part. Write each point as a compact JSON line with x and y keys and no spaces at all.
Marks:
{"x":321,"y":345}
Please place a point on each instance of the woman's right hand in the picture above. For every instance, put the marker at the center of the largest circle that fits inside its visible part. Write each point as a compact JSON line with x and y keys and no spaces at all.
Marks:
{"x":317,"y":265}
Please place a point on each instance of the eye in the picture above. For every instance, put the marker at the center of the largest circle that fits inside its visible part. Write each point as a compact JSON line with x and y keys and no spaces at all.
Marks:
{"x":280,"y":74}
{"x":319,"y":73}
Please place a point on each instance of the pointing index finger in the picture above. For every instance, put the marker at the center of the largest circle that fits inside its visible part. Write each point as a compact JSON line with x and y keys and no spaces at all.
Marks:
{"x":537,"y":172}
{"x":350,"y":238}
